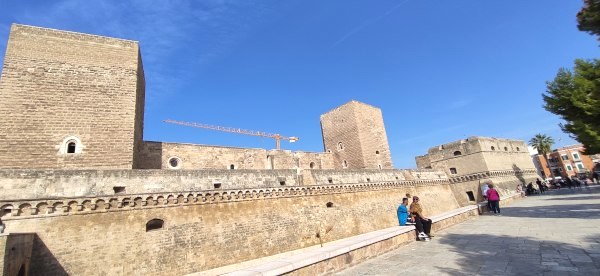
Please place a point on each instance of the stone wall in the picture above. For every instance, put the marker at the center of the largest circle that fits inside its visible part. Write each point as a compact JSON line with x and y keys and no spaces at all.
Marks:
{"x":365,"y":176}
{"x":504,"y":181}
{"x":355,"y":134}
{"x":32,"y":184}
{"x":58,"y":87}
{"x":477,"y":154}
{"x":15,"y":253}
{"x":205,"y":230}
{"x":157,"y":155}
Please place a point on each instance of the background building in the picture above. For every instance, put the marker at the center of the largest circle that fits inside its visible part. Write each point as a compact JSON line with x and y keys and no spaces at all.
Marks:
{"x":566,"y":162}
{"x":477,"y":154}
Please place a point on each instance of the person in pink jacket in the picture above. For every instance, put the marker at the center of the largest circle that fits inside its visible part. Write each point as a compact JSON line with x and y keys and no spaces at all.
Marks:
{"x":493,"y":199}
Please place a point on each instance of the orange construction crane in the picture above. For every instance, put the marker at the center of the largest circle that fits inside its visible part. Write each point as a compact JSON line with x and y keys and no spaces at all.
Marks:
{"x":277,"y":137}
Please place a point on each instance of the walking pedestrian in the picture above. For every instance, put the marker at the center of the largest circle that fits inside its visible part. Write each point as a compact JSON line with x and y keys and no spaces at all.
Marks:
{"x":494,"y":199}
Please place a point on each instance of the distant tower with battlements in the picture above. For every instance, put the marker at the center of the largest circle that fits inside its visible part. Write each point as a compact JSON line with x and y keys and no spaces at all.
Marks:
{"x":355,"y":134}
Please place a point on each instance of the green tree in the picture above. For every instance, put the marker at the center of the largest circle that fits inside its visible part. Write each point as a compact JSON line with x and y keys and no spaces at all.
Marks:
{"x":575,"y":96}
{"x":589,"y":17}
{"x":543,"y":144}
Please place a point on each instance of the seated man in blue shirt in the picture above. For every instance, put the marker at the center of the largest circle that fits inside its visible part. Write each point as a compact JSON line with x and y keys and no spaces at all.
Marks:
{"x":403,"y":212}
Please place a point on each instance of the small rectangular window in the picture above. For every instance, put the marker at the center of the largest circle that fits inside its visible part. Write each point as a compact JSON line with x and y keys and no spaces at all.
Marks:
{"x":471,"y":196}
{"x":569,"y":168}
{"x":453,"y":171}
{"x":564,"y":157}
{"x":580,"y":166}
{"x":576,"y":156}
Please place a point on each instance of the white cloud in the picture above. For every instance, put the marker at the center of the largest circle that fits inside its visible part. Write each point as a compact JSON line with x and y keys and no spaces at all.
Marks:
{"x":176,"y":36}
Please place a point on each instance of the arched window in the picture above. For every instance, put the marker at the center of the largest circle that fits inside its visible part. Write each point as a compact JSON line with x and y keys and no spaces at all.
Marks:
{"x":345,"y":164}
{"x":154,"y":224}
{"x":312,"y":165}
{"x":493,"y":148}
{"x":232,"y":167}
{"x":71,"y":146}
{"x":457,"y":153}
{"x":329,"y":204}
{"x":376,"y":152}
{"x":340,"y":146}
{"x":518,"y":149}
{"x":505,"y":149}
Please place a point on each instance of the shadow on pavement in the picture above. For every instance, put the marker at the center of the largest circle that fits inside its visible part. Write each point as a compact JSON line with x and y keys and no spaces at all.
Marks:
{"x":580,"y":211}
{"x":483,"y":254}
{"x":575,"y":198}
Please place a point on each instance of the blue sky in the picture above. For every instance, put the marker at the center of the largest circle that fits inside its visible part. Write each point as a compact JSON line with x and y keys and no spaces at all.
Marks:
{"x":440,"y":70}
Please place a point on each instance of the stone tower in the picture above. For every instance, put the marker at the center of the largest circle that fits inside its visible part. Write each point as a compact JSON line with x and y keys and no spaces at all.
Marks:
{"x":70,"y":100}
{"x":355,"y":134}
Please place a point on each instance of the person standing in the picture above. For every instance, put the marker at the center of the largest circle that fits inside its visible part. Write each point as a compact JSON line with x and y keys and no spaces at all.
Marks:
{"x":403,"y":212}
{"x":494,"y":199}
{"x":539,"y":184}
{"x":484,"y":190}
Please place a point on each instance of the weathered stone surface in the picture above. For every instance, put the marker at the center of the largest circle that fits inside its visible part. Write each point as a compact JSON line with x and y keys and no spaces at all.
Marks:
{"x":355,"y":134}
{"x":477,"y":154}
{"x":59,"y":86}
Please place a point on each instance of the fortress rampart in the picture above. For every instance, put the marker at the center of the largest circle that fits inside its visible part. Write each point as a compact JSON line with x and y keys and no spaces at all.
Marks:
{"x":205,"y":229}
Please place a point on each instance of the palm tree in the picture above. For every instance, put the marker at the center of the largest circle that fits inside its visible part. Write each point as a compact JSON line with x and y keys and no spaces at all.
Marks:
{"x":543,"y":144}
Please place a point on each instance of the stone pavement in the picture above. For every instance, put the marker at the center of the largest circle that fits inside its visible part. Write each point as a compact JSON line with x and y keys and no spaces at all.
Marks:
{"x":557,"y":233}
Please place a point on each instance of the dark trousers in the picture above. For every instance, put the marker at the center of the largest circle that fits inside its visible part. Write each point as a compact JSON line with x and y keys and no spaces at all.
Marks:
{"x":495,"y":204}
{"x":423,"y":225}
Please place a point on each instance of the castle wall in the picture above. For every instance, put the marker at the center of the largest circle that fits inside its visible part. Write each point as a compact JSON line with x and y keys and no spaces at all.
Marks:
{"x":156,"y":155}
{"x":58,"y":86}
{"x":32,"y":184}
{"x":15,"y":253}
{"x":477,"y":154}
{"x":206,"y":230}
{"x":366,"y":176}
{"x":505,"y":182}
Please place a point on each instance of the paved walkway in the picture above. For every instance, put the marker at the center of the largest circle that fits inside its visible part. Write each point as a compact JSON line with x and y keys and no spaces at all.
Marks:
{"x":557,"y":233}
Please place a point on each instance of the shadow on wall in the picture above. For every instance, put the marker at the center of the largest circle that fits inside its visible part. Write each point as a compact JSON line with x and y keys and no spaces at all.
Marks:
{"x":519,"y":173}
{"x":43,"y":261}
{"x":501,"y":255}
{"x":150,"y":156}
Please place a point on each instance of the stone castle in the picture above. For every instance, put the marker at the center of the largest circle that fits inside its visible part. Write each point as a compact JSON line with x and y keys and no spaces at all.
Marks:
{"x":83,"y":193}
